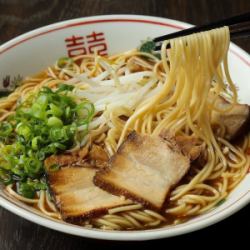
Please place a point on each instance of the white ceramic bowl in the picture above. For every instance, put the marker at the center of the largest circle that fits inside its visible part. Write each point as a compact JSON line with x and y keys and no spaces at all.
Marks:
{"x":34,"y":51}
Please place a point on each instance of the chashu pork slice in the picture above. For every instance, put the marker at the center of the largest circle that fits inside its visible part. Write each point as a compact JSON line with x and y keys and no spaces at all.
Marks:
{"x":236,"y":121}
{"x":76,"y":196}
{"x":144,"y":169}
{"x":67,"y":159}
{"x":87,"y":156}
{"x":190,"y":146}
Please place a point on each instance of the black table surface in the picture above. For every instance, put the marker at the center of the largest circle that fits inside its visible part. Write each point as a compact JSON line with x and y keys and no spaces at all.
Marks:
{"x":17,"y":17}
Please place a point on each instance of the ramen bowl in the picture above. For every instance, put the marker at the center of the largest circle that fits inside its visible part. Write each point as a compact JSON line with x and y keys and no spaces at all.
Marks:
{"x":35,"y":50}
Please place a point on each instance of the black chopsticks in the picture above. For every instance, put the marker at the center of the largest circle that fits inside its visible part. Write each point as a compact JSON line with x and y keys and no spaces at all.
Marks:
{"x":239,"y":27}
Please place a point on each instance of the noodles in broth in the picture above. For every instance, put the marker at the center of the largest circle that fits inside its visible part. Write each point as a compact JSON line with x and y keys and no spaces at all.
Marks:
{"x":137,"y":91}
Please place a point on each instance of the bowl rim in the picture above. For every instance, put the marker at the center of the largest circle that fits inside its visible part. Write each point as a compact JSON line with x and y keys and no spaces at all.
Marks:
{"x":119,"y":235}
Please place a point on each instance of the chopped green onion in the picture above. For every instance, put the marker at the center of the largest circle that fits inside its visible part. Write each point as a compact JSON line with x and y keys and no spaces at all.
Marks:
{"x":64,"y":62}
{"x":68,"y":113}
{"x":40,"y":155}
{"x":220,"y":202}
{"x":47,"y":123}
{"x":147,"y":47}
{"x":32,"y":166}
{"x":53,"y":168}
{"x":54,"y":110}
{"x":5,"y":177}
{"x":26,"y":190}
{"x":64,"y":87}
{"x":54,"y":122}
{"x":5,"y":165}
{"x":85,"y":111}
{"x":24,"y":130}
{"x":37,"y":184}
{"x":38,"y":111}
{"x":42,"y":100}
{"x":35,"y":142}
{"x":19,"y":171}
{"x":5,"y":129}
{"x":57,"y":145}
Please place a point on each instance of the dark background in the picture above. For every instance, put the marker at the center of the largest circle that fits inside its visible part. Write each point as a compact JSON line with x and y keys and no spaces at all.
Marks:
{"x":19,"y":16}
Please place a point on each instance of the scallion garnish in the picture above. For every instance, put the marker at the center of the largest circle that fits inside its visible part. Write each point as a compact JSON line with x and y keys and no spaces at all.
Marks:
{"x":64,"y":62}
{"x":47,"y":125}
{"x":148,"y":47}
